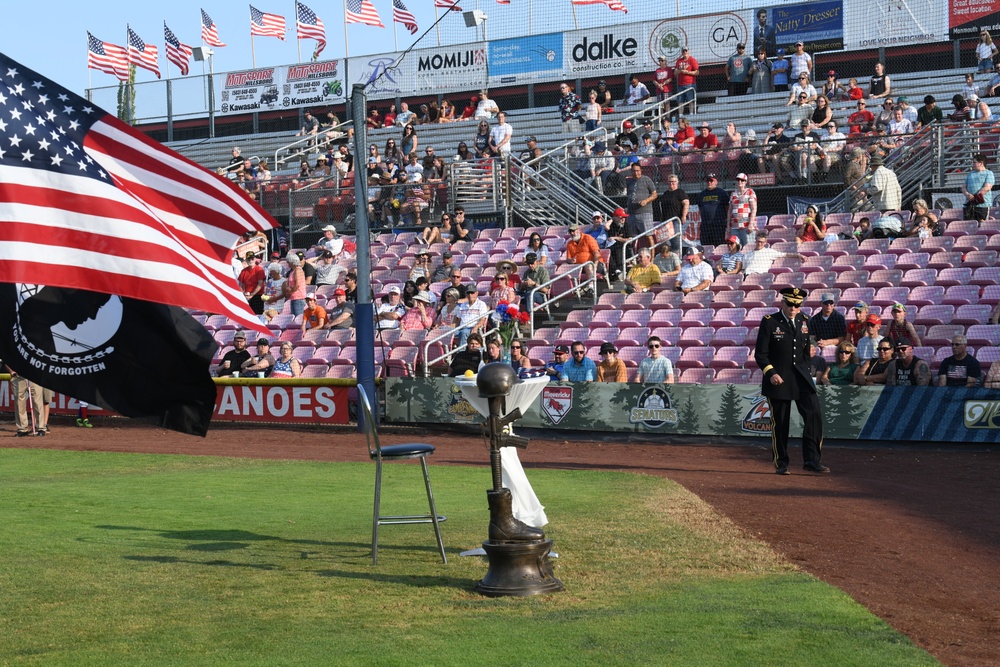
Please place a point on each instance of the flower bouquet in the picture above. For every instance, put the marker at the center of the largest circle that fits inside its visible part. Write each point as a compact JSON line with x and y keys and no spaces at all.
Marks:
{"x":508,"y":317}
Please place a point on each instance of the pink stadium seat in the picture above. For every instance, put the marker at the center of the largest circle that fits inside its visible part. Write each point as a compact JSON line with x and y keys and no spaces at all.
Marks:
{"x":605,"y":318}
{"x":696,"y":337}
{"x":846,"y":279}
{"x":874,"y":247}
{"x":842,"y":248}
{"x":602,"y":335}
{"x":781,"y":235}
{"x":669,"y":335}
{"x":913,"y":260}
{"x":876,"y":262}
{"x":733,"y":376}
{"x":987,"y":356}
{"x":814,"y":300}
{"x":696,"y":300}
{"x":781,"y":220}
{"x":848,"y":263}
{"x":951,"y":214}
{"x":839,"y":218}
{"x":785,"y":265}
{"x":936,"y":244}
{"x":887,"y":296}
{"x":951,"y":277}
{"x":577,"y":318}
{"x":935,"y":314}
{"x":696,"y":357}
{"x":697,"y":376}
{"x":730,"y":357}
{"x":637,"y":301}
{"x":811,"y":249}
{"x":941,"y":334}
{"x":756,"y":377}
{"x":341,"y":371}
{"x":667,"y":299}
{"x":728,"y":317}
{"x":968,"y":315}
{"x":572,"y":334}
{"x":985,"y":276}
{"x":851,"y":296}
{"x":884,"y":278}
{"x":635,"y":318}
{"x":727,"y":282}
{"x":918,"y":278}
{"x":761,"y":298}
{"x":729,"y":336}
{"x":926,"y":296}
{"x":960,"y":228}
{"x":755,"y":315}
{"x":905,"y":245}
{"x":315,"y":371}
{"x":980,"y":258}
{"x":983,"y":335}
{"x":729,"y":299}
{"x":819,"y":280}
{"x":944,"y":260}
{"x":961,"y":295}
{"x":696,"y":317}
{"x":990,"y":228}
{"x":632,"y":354}
{"x":665,"y":317}
{"x":750,"y":340}
{"x":970,"y":243}
{"x":784,"y":280}
{"x":633,"y":336}
{"x":756,"y":281}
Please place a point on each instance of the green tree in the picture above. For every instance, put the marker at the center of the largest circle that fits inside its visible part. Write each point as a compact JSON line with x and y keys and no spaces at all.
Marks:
{"x":727,"y":421}
{"x":843,"y":410}
{"x":687,"y":418}
{"x":126,"y":98}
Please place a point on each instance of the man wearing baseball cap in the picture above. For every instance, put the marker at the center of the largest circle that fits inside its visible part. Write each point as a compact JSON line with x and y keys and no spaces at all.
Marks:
{"x":390,"y":311}
{"x":233,"y":360}
{"x":829,"y":326}
{"x":314,"y":316}
{"x":782,"y":353}
{"x":554,"y":368}
{"x":598,"y":229}
{"x":686,"y":70}
{"x":742,"y":210}
{"x":341,"y":314}
{"x":262,"y":362}
{"x":617,"y":236}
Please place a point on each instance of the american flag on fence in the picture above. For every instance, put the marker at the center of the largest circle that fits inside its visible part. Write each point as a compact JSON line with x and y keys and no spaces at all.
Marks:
{"x":209,"y":33}
{"x":107,"y":57}
{"x":310,"y":26}
{"x":613,"y":5}
{"x":401,"y":15}
{"x":142,"y":54}
{"x":448,"y":4}
{"x":177,"y":53}
{"x":88,"y":202}
{"x":263,"y":24}
{"x":361,"y":11}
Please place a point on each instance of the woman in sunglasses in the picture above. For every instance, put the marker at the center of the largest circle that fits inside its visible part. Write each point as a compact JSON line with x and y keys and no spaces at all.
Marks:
{"x":841,"y":372}
{"x":518,"y":356}
{"x":873,"y":371}
{"x":481,"y":142}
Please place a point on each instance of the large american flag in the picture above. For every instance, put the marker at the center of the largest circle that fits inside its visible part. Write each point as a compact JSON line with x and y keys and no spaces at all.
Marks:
{"x":107,"y":57}
{"x":263,"y":24}
{"x":361,"y":11}
{"x":177,"y":53}
{"x":614,"y":5}
{"x":209,"y":33}
{"x":143,"y":55}
{"x":401,"y":15}
{"x":448,"y":4}
{"x":310,"y":26}
{"x":88,"y":202}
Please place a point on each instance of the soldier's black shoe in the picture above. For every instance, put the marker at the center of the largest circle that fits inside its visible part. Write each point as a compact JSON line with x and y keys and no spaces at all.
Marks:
{"x":782,"y":471}
{"x":816,"y":468}
{"x":21,"y":434}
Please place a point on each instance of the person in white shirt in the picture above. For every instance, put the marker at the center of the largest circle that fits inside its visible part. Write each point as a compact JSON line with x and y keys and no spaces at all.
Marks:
{"x":802,"y":85}
{"x":760,"y":258}
{"x":636,"y":93}
{"x":470,"y":316}
{"x":833,"y":143}
{"x":909,"y":113}
{"x":800,"y":61}
{"x":487,"y":108}
{"x":696,"y":275}
{"x":501,"y":135}
{"x":884,"y":190}
{"x":899,"y":125}
{"x":405,"y":115}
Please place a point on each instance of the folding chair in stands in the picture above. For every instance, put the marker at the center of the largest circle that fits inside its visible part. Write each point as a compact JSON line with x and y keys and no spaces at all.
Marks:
{"x":378,"y":453}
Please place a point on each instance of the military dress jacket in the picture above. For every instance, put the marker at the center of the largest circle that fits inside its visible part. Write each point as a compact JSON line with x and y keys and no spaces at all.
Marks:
{"x":783,"y":348}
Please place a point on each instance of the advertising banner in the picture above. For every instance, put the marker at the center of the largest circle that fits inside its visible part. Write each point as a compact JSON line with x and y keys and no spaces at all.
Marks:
{"x":869,"y":413}
{"x":277,"y":404}
{"x":894,"y":23}
{"x":967,"y":17}
{"x":523,"y":59}
{"x":605,"y":51}
{"x":447,"y":68}
{"x":818,"y":25}
{"x":381,"y":74}
{"x":250,"y":91}
{"x":313,"y":84}
{"x":711,"y":38}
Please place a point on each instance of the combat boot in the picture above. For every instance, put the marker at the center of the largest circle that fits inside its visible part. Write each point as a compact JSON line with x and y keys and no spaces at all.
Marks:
{"x":503,"y":526}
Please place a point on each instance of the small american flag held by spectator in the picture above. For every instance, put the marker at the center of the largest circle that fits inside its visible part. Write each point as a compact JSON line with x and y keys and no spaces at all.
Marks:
{"x":263,"y":24}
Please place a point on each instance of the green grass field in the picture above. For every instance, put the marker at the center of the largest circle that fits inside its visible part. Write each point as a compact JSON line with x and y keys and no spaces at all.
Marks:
{"x":135,"y":559}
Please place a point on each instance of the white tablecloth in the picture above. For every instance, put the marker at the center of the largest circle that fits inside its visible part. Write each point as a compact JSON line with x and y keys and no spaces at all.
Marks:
{"x":526,"y":505}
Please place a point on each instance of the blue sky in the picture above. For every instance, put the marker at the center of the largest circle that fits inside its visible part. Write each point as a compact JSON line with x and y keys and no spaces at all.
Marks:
{"x":61,"y":52}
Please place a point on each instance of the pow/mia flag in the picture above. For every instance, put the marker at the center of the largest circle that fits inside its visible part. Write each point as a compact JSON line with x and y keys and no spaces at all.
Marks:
{"x":137,"y":358}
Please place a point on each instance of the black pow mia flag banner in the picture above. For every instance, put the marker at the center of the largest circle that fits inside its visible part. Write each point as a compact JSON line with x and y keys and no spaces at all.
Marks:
{"x":137,"y":358}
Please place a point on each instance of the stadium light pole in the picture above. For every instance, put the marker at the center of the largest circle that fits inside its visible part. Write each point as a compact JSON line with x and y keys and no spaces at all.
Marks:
{"x":364,"y":316}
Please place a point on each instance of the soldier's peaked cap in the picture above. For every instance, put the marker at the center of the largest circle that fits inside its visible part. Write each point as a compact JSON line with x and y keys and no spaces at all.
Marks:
{"x":794,"y":296}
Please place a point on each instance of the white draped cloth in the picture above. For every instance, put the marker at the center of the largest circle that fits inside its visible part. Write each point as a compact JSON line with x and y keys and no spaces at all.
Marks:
{"x":526,"y":506}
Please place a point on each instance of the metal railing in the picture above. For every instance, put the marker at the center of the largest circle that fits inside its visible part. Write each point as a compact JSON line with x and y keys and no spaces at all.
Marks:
{"x":628,"y":259}
{"x":449,"y":333}
{"x":302,"y":146}
{"x":574,"y":289}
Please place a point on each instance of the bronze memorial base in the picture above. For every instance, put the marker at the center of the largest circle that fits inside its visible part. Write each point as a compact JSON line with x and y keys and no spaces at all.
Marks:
{"x":518,"y":569}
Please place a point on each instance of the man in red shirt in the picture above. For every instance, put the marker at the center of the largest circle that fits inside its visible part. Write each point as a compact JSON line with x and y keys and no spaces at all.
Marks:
{"x":252,"y":280}
{"x":686,"y":69}
{"x":580,"y":249}
{"x":663,"y":82}
{"x":705,"y":139}
{"x":862,"y":119}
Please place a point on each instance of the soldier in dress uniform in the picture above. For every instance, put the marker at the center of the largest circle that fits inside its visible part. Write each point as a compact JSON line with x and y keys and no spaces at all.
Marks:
{"x":783,"y":355}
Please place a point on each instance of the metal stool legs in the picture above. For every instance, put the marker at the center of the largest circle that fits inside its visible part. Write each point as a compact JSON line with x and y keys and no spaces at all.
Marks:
{"x":432,"y":518}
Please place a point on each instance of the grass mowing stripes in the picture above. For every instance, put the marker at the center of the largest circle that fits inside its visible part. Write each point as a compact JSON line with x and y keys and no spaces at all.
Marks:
{"x":170,"y":560}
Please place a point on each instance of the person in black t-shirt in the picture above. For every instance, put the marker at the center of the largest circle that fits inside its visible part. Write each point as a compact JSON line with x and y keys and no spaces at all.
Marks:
{"x":674,"y":202}
{"x":713,"y":202}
